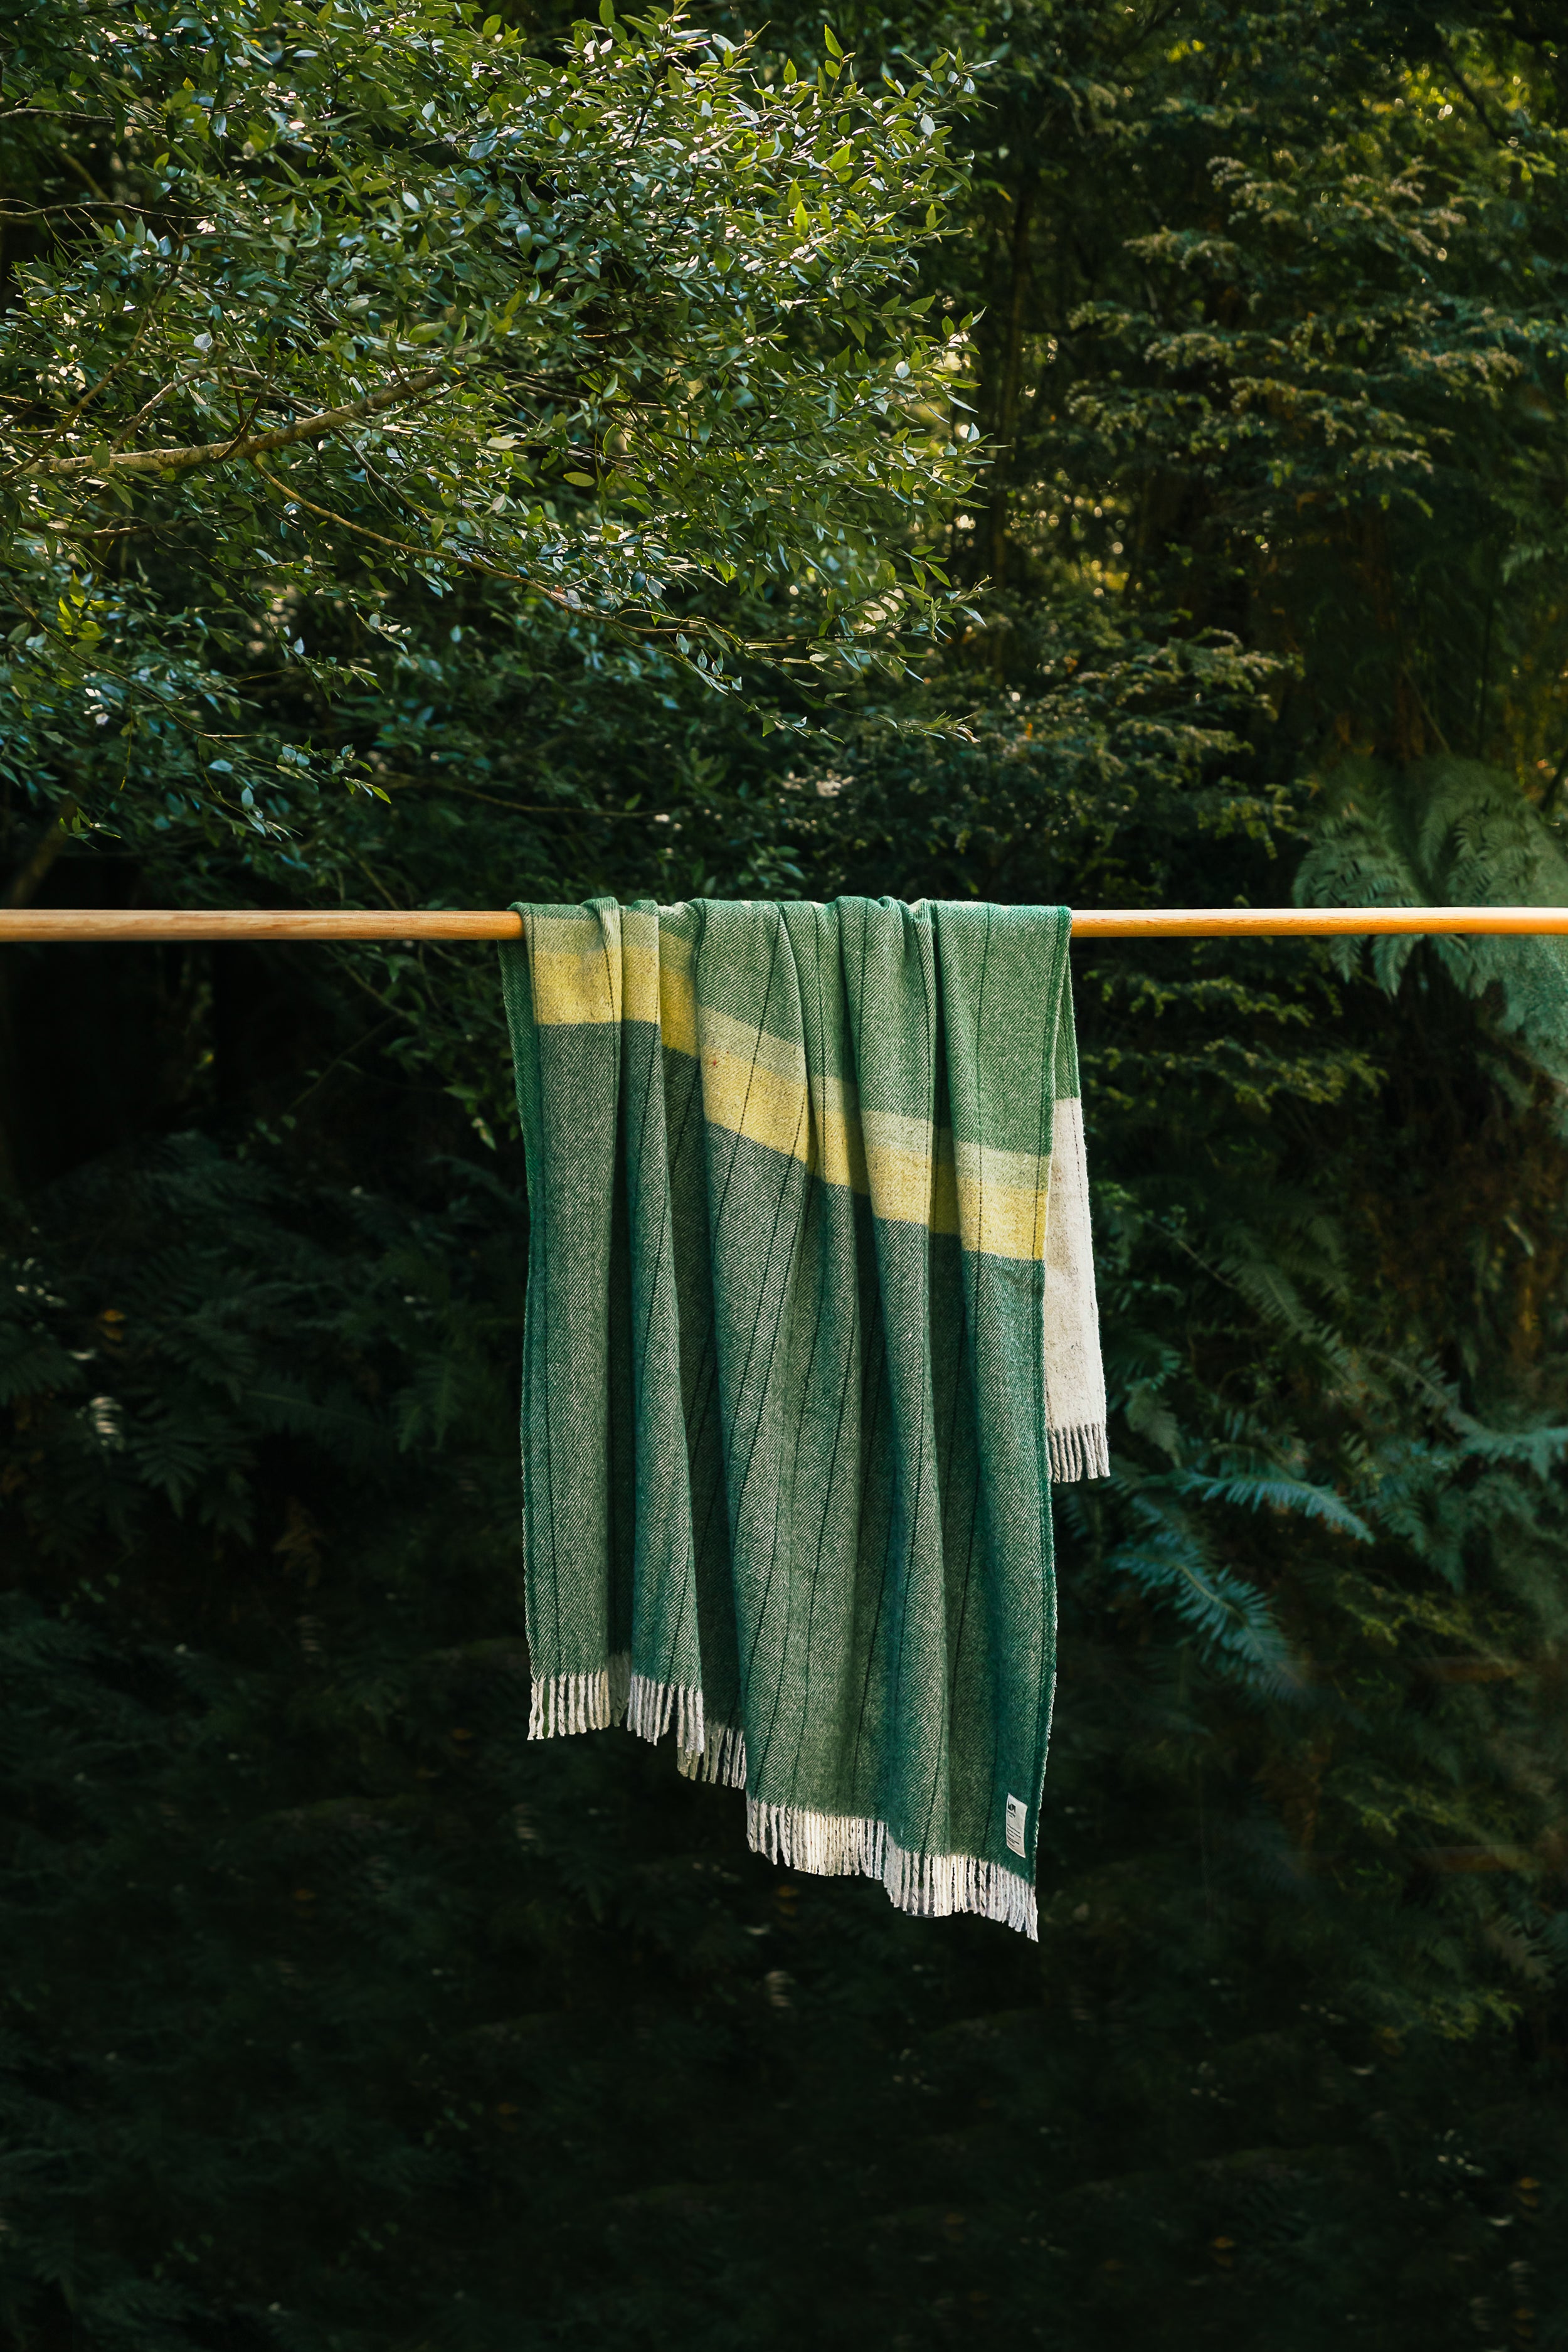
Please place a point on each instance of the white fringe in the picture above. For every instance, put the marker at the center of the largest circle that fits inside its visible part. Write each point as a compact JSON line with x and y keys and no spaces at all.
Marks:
{"x":563,"y":1704}
{"x":932,"y":1886}
{"x":827,"y":1845}
{"x":652,"y":1706}
{"x":722,"y":1758}
{"x":1081,"y":1453}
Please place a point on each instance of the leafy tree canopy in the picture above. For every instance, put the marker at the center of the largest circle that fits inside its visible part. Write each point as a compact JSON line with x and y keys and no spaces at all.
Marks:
{"x":316,"y":302}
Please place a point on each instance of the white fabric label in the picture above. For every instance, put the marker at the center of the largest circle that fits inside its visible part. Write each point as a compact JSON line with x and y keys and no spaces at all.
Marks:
{"x":1017,"y":1814}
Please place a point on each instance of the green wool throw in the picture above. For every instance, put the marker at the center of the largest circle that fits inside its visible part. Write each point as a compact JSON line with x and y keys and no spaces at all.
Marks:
{"x":811,"y":1328}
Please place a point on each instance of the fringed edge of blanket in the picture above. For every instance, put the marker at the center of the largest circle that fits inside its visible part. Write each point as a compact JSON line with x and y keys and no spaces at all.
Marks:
{"x":722,"y":1758}
{"x":1083,"y":1452}
{"x":930,"y":1886}
{"x":652,"y":1707}
{"x":565,"y":1704}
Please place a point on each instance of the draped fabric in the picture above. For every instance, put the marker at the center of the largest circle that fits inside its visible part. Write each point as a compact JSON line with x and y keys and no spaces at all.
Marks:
{"x":810,"y":1328}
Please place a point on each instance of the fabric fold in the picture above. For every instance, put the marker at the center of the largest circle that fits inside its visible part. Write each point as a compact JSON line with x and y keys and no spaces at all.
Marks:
{"x":811,"y":1329}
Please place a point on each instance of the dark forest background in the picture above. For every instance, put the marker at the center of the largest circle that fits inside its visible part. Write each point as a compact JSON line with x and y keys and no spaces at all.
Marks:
{"x":335,"y":2015}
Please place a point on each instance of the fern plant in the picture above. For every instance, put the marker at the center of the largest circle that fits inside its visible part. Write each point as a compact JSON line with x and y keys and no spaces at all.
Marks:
{"x":1449,"y":833}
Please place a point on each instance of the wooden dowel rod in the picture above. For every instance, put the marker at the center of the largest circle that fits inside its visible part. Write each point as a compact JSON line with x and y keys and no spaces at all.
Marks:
{"x":500,"y":923}
{"x":1308,"y":922}
{"x":248,"y":923}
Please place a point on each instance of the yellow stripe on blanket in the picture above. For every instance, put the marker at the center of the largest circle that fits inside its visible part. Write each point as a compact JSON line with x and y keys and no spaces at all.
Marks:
{"x":910,"y":1175}
{"x":575,"y":969}
{"x":677,"y":997}
{"x":756,"y":1086}
{"x":1002,"y":1198}
{"x":746,"y":1098}
{"x":584,"y":972}
{"x":640,"y":972}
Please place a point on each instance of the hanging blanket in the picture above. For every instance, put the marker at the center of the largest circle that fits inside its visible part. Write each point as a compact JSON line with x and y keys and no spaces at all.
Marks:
{"x":811,"y":1328}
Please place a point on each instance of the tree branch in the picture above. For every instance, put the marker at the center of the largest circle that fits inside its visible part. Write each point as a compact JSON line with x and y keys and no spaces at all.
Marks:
{"x":209,"y":453}
{"x":12,"y":214}
{"x":513,"y":808}
{"x":454,"y":555}
{"x":94,"y":391}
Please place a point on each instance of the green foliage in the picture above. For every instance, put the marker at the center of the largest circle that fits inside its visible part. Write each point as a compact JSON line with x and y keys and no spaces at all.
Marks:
{"x":1449,"y":833}
{"x":338,"y":2015}
{"x":422,"y":2034}
{"x":321,"y":303}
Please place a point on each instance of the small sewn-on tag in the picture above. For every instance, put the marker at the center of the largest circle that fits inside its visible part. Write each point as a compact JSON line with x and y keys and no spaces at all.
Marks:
{"x":1017,"y":1814}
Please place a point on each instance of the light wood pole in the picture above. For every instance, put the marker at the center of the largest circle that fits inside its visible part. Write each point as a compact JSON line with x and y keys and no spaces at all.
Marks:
{"x":149,"y":923}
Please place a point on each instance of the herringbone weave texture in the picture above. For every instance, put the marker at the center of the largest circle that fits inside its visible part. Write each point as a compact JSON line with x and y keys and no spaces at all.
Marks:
{"x":810,"y":1327}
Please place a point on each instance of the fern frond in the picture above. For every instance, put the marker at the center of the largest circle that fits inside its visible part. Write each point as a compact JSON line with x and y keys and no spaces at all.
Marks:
{"x":1449,"y":832}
